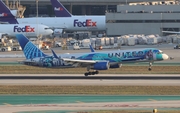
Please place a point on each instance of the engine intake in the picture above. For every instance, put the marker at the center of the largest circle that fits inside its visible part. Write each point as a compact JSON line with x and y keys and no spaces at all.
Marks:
{"x":115,"y":65}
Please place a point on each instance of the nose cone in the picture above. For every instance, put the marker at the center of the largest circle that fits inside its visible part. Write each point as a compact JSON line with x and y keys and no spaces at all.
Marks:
{"x":165,"y":56}
{"x":50,"y":31}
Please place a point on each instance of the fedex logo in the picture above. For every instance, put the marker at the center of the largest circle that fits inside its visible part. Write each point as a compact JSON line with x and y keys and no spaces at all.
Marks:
{"x":87,"y":23}
{"x":58,"y":8}
{"x":24,"y":29}
{"x":3,"y":14}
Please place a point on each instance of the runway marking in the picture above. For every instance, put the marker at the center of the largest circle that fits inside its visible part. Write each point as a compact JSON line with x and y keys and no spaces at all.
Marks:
{"x":7,"y":104}
{"x":120,"y":105}
{"x":79,"y":102}
{"x":152,"y":100}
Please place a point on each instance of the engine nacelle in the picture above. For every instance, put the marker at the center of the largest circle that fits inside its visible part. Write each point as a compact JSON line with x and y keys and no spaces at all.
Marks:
{"x":101,"y":66}
{"x":115,"y":65}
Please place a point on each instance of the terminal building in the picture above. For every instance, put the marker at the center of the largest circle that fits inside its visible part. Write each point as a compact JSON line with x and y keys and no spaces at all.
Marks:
{"x":144,"y":19}
{"x":139,"y":17}
{"x":76,"y":7}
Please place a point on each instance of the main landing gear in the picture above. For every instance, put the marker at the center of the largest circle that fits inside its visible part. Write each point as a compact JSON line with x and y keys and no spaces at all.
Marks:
{"x":91,"y":73}
{"x":150,"y":64}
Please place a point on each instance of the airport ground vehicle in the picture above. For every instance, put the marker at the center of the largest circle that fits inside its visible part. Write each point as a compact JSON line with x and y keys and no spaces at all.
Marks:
{"x":99,"y":48}
{"x":16,"y":48}
{"x":76,"y":46}
{"x":3,"y":49}
{"x":4,"y":43}
{"x":57,"y":44}
{"x":177,"y":46}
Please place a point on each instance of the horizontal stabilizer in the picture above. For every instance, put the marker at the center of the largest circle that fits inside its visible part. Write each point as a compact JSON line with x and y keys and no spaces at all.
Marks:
{"x":92,"y":50}
{"x":54,"y":54}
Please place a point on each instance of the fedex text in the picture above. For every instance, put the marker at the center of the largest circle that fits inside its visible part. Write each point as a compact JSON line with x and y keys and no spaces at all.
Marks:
{"x":3,"y":15}
{"x":87,"y":23}
{"x":24,"y":29}
{"x":58,"y":9}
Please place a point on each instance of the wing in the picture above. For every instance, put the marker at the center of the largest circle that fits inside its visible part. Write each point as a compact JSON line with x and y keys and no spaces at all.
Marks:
{"x":171,"y":32}
{"x":77,"y":62}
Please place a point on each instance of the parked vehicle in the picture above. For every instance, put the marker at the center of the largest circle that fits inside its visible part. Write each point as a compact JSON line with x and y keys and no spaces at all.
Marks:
{"x":177,"y":46}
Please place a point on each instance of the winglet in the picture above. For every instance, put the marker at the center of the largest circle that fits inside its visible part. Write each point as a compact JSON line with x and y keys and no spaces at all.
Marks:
{"x":54,"y":54}
{"x":92,"y":50}
{"x":59,"y":9}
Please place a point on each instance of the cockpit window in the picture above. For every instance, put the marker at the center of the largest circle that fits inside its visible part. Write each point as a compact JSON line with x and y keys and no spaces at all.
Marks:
{"x":46,"y":28}
{"x":160,"y":52}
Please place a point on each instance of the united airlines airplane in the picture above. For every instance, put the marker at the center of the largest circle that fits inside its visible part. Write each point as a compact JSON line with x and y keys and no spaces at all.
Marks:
{"x":69,"y":23}
{"x":94,"y":61}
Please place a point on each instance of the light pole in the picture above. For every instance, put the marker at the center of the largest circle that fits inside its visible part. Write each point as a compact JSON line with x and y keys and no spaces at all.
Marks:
{"x":37,"y":18}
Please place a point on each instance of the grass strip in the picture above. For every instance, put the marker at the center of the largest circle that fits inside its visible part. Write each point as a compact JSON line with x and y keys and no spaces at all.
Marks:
{"x":122,"y":70}
{"x":100,"y":90}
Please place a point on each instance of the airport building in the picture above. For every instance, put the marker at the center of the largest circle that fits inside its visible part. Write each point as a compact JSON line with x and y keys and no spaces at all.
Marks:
{"x":76,"y":7}
{"x":144,"y":19}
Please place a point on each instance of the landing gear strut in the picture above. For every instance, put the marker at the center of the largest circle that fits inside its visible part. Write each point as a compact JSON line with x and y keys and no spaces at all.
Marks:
{"x":150,"y":64}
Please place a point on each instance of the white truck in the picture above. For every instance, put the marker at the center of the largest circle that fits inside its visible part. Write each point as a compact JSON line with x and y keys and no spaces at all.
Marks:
{"x":76,"y":46}
{"x":58,"y":44}
{"x":3,"y":49}
{"x":16,"y":48}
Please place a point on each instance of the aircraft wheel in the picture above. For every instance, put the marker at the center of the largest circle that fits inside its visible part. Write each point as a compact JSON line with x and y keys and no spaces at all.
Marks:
{"x":96,"y":72}
{"x":86,"y":74}
{"x":149,"y":69}
{"x":3,"y":50}
{"x":90,"y":73}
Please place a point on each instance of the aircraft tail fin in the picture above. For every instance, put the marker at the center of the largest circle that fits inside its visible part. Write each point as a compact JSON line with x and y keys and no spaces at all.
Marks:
{"x":59,"y":9}
{"x":30,"y":50}
{"x":6,"y":15}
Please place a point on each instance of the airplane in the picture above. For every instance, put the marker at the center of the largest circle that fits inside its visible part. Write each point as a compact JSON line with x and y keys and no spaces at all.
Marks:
{"x":30,"y":30}
{"x":73,"y":23}
{"x":94,"y":61}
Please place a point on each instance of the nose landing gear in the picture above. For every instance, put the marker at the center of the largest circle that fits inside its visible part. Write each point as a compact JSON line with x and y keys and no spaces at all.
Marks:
{"x":150,"y":64}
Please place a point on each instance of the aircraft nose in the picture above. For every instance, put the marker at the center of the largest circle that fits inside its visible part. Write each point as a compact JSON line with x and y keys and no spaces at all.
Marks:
{"x":165,"y":56}
{"x":51,"y":31}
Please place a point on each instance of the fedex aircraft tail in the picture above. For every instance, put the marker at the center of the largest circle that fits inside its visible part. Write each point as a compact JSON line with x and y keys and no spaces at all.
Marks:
{"x":6,"y":15}
{"x":30,"y":50}
{"x":59,"y":9}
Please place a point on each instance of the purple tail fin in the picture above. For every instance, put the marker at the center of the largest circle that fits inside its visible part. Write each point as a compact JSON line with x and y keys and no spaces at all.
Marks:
{"x":59,"y":9}
{"x":4,"y":11}
{"x":6,"y":15}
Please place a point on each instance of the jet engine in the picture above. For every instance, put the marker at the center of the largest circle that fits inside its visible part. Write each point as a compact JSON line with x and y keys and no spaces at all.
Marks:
{"x":101,"y":66}
{"x":115,"y":65}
